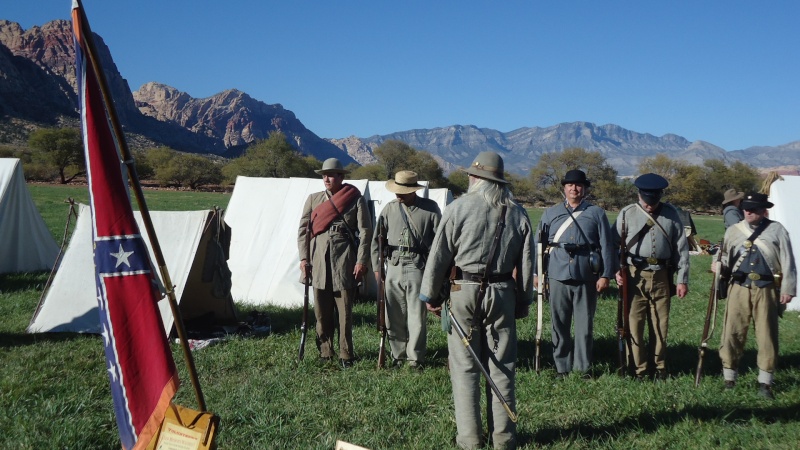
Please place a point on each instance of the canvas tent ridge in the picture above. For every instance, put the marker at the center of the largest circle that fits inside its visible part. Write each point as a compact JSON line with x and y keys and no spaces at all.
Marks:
{"x":194,"y":248}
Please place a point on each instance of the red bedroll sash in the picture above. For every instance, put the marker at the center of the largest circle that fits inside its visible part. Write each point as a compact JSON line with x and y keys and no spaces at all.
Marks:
{"x":323,"y":215}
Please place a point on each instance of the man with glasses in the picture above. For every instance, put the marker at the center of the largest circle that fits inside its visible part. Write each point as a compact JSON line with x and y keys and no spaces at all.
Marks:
{"x":757,"y":256}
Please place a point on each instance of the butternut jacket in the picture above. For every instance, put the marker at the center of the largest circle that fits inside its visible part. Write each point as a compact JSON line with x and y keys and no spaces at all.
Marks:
{"x":336,"y":244}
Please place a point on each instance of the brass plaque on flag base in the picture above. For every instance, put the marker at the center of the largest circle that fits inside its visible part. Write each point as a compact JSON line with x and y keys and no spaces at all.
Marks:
{"x":186,"y":429}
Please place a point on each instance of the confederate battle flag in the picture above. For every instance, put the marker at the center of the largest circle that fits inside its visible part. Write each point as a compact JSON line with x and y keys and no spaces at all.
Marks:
{"x":138,"y":358}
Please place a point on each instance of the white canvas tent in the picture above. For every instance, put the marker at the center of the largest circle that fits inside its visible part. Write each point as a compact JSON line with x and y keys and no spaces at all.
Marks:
{"x":26,"y":244}
{"x":442,"y":196}
{"x":782,"y":193}
{"x":263,"y":215}
{"x":70,"y":304}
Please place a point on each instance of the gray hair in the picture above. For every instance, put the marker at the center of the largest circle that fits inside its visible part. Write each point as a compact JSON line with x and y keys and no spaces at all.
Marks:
{"x":495,"y":194}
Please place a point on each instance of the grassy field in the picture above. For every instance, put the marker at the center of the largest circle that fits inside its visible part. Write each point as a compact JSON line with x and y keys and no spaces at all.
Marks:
{"x":54,"y":390}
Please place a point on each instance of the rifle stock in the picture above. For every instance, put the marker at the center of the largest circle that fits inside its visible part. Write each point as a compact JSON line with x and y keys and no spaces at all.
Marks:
{"x":381,"y":294}
{"x":541,"y":273}
{"x":304,"y":324}
{"x":623,"y":305}
{"x":708,"y":329}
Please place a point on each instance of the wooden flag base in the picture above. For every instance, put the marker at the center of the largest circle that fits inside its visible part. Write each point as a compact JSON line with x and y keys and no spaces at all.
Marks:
{"x":185,"y":429}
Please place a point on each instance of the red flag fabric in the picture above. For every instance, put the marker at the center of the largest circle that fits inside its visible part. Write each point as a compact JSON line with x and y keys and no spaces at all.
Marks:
{"x":139,"y":362}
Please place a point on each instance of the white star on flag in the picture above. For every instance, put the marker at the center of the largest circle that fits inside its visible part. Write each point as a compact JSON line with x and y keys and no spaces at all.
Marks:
{"x":122,"y":256}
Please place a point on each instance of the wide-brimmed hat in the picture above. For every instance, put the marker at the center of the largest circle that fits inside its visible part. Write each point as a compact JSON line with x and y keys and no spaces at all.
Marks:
{"x":731,"y":195}
{"x":489,"y":166}
{"x":331,"y":165}
{"x":405,"y":182}
{"x":576,"y":176}
{"x":755,"y":200}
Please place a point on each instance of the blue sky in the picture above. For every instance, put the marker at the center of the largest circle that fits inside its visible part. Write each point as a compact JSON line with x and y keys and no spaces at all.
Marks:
{"x":725,"y":72}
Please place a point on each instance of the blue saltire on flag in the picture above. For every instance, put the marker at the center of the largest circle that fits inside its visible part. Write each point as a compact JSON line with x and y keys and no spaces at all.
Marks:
{"x":140,"y":367}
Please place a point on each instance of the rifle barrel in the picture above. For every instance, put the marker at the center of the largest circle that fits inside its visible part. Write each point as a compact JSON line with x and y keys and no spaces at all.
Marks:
{"x":708,"y":330}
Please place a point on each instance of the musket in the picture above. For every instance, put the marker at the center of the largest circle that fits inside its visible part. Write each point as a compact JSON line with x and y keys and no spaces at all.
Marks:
{"x":381,"y":293}
{"x":711,"y":317}
{"x":541,"y":262}
{"x":463,"y":336}
{"x":304,"y":324}
{"x":623,"y":305}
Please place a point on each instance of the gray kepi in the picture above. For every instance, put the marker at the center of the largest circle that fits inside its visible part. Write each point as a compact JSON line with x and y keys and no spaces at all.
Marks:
{"x":489,"y":166}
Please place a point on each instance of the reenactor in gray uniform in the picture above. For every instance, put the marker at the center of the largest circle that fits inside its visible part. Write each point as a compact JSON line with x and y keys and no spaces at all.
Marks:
{"x":757,"y":258}
{"x":656,"y":250}
{"x":341,"y":231}
{"x":408,"y":224}
{"x":731,"y":209}
{"x":581,"y":263}
{"x":465,"y":236}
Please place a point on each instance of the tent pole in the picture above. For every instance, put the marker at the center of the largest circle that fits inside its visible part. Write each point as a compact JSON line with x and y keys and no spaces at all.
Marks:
{"x":148,"y":223}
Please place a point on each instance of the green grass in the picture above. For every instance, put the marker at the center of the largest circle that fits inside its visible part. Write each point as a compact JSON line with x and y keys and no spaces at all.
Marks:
{"x":54,"y":390}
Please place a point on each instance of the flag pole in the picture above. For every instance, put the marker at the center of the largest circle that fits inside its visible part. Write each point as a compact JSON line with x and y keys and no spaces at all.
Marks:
{"x":139,"y":194}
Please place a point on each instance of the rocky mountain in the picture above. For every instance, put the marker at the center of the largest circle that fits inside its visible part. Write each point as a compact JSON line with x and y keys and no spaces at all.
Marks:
{"x":521,"y":148}
{"x":38,"y":88}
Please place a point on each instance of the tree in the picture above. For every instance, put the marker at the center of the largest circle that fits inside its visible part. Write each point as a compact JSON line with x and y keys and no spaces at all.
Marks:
{"x":272,"y":157}
{"x":61,"y":149}
{"x":458,"y":182}
{"x":546,"y":176}
{"x":396,"y":155}
{"x":193,"y":171}
{"x":373,"y":172}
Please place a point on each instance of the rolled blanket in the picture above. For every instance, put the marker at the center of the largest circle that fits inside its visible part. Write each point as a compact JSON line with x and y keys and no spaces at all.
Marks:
{"x":323,"y":215}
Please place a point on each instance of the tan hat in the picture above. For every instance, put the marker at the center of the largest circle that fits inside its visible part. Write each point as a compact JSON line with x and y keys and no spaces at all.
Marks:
{"x":489,"y":166}
{"x":331,"y":165}
{"x":731,"y":195}
{"x":405,"y":182}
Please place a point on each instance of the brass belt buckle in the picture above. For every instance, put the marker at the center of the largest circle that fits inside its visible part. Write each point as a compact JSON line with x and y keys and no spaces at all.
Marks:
{"x":753,"y":276}
{"x":652,"y":261}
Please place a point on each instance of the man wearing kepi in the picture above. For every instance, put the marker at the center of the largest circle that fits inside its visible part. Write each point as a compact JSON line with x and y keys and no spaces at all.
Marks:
{"x":757,"y":256}
{"x":469,"y":227}
{"x":341,"y":230}
{"x":408,"y":223}
{"x":581,"y":263}
{"x":656,"y":250}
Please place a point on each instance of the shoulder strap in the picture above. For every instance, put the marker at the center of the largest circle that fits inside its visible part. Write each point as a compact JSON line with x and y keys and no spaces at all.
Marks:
{"x":477,"y":318}
{"x":574,"y":219}
{"x":350,"y":233}
{"x":742,"y":226}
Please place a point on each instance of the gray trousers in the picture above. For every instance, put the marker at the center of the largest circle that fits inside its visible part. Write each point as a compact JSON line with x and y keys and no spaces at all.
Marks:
{"x":570,"y":300}
{"x":406,"y":315}
{"x":496,"y":344}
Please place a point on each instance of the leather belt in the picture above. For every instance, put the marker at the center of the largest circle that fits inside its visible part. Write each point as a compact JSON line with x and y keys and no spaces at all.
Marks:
{"x":740,"y":277}
{"x":640,"y":261}
{"x":570,"y":247}
{"x":477,"y":277}
{"x":404,"y":248}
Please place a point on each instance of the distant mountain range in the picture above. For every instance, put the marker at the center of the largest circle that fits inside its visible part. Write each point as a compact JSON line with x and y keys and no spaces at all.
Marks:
{"x":38,"y":88}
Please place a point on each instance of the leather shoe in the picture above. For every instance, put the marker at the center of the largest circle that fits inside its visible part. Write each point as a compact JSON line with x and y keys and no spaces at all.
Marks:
{"x":765,"y":390}
{"x":730,"y":384}
{"x":346,"y":363}
{"x":562,"y":375}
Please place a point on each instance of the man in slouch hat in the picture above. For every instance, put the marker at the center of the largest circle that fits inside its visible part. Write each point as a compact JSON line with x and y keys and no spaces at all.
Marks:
{"x":408,"y":224}
{"x":657,"y":253}
{"x":340,"y":234}
{"x":581,"y":263}
{"x":731,"y":209}
{"x":757,"y":257}
{"x":488,"y":237}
